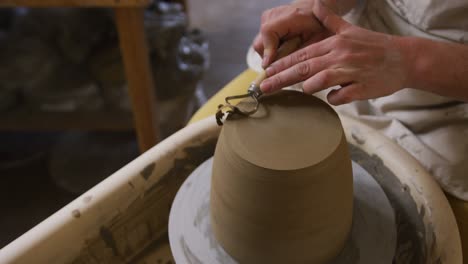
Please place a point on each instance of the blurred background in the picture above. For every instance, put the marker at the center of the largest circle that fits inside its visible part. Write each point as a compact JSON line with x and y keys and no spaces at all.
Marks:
{"x":65,"y":115}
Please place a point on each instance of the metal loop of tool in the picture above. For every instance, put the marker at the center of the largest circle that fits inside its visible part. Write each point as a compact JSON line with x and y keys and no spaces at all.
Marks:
{"x":254,"y":92}
{"x":254,"y":89}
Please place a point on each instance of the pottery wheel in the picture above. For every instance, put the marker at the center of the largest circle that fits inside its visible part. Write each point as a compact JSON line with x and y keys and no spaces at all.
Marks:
{"x":373,"y":236}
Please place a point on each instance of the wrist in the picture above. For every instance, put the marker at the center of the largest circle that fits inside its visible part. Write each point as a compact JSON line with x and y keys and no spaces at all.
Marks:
{"x":409,"y":50}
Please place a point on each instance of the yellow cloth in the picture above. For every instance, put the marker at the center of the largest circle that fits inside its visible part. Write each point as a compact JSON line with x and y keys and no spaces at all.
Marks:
{"x":240,"y":84}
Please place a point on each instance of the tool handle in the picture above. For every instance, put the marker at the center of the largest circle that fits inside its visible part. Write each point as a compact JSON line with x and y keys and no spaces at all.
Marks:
{"x":287,"y":48}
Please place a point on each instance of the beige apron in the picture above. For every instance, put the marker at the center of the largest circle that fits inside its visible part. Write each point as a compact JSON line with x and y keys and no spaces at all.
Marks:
{"x":432,"y":128}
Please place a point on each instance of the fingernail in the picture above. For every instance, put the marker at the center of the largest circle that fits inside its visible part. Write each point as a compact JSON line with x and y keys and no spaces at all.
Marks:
{"x":265,"y":61}
{"x":265,"y":86}
{"x":266,"y":57}
{"x":269,"y":71}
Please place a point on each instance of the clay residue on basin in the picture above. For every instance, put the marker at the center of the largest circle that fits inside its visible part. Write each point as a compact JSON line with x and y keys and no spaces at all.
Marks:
{"x":144,"y":222}
{"x":411,"y":238}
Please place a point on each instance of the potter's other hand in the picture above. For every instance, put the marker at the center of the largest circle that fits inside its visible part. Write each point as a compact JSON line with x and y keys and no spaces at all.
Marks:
{"x":283,"y":23}
{"x":364,"y":63}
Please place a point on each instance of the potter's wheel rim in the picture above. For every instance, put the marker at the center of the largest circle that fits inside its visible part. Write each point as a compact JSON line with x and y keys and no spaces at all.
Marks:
{"x":372,"y":238}
{"x":442,"y":242}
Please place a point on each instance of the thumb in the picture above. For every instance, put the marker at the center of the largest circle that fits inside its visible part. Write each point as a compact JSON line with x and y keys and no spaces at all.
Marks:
{"x":270,"y":44}
{"x":329,"y":19}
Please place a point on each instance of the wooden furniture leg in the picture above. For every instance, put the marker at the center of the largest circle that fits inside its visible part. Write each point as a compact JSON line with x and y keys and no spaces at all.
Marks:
{"x":141,"y":87}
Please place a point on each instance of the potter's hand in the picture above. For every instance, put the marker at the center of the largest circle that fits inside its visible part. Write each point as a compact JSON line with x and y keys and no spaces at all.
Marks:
{"x":366,"y":64}
{"x":286,"y":22}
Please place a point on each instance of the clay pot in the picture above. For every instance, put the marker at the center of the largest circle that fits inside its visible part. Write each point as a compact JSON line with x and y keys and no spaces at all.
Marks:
{"x":282,"y":185}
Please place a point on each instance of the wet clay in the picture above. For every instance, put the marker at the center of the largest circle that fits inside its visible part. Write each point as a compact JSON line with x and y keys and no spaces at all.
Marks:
{"x":282,"y":185}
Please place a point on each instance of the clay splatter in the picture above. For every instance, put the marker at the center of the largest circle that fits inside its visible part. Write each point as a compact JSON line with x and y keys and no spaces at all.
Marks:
{"x":108,"y":238}
{"x":87,"y":198}
{"x":358,"y":138}
{"x":76,"y":213}
{"x":147,"y":171}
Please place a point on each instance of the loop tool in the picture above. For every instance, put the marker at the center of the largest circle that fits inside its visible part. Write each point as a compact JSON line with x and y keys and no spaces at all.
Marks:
{"x":253,"y":92}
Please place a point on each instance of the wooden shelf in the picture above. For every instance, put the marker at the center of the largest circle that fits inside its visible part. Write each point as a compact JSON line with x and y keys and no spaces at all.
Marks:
{"x":23,"y":118}
{"x":74,"y":3}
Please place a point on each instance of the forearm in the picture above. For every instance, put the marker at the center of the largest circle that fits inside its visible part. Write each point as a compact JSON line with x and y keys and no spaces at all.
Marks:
{"x":341,"y":7}
{"x":437,"y":67}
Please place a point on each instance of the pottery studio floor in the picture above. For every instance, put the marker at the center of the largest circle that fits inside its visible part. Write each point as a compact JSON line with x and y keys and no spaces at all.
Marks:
{"x":27,"y":193}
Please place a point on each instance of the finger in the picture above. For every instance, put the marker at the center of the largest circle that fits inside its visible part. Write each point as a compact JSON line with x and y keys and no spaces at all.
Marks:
{"x":294,"y":74}
{"x":326,"y":79}
{"x":270,"y":41}
{"x":329,"y":19}
{"x":314,"y":50}
{"x":258,"y":44}
{"x":345,"y":94}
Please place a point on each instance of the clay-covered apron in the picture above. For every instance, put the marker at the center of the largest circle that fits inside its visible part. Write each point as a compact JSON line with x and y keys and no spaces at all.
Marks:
{"x":432,"y":128}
